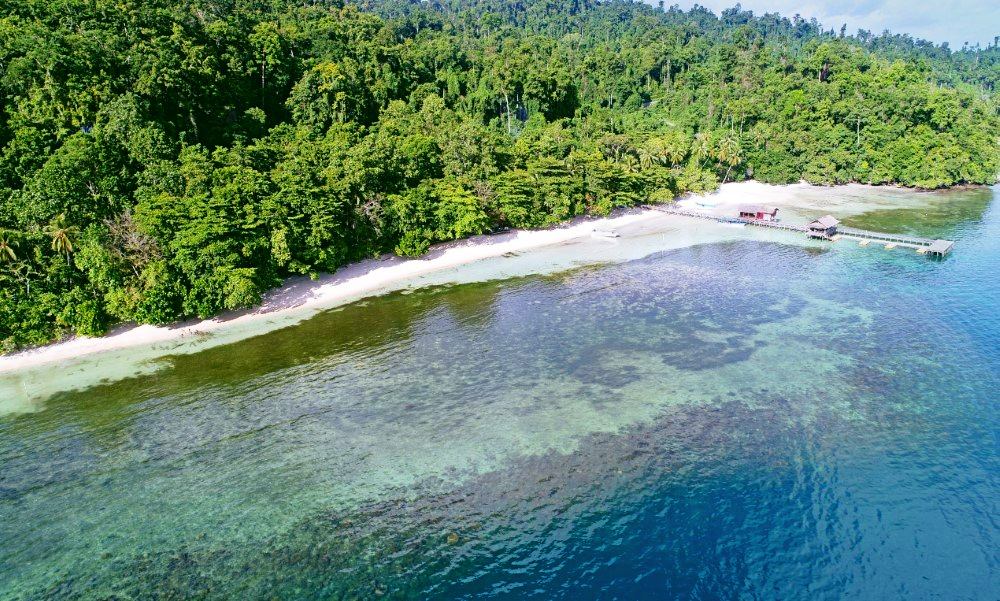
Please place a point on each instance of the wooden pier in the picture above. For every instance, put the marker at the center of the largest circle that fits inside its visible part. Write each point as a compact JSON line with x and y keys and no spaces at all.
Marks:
{"x":925,"y":246}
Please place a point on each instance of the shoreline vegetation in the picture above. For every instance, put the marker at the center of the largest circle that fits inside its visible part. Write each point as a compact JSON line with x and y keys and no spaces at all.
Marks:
{"x":301,"y":297}
{"x":176,"y":161}
{"x":356,"y":281}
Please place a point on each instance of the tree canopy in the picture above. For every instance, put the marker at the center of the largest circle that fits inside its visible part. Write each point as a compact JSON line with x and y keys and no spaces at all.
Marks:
{"x":166,"y":159}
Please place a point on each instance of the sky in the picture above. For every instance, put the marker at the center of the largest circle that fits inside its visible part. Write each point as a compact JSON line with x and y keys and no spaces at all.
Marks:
{"x":952,"y":21}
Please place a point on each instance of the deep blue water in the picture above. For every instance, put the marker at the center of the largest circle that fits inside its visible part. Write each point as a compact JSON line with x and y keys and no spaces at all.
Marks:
{"x":744,"y":420}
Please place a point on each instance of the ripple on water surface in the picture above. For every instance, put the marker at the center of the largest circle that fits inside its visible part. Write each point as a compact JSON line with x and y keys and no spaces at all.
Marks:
{"x":737,"y":419}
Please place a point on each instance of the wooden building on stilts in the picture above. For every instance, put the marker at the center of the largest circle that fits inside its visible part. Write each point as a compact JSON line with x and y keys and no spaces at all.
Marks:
{"x":825,"y":227}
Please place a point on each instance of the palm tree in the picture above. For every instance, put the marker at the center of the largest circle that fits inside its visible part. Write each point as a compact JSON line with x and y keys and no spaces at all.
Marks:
{"x":61,"y":233}
{"x":675,"y":148}
{"x":729,"y":153}
{"x":646,"y":156}
{"x":615,"y":147}
{"x":702,"y":147}
{"x":655,"y":151}
{"x":7,"y":253}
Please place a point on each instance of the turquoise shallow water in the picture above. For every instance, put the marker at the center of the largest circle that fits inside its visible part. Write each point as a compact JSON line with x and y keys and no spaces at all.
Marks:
{"x":735,"y":420}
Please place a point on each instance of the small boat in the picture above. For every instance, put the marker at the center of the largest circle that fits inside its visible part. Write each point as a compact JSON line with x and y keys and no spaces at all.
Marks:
{"x":605,"y":234}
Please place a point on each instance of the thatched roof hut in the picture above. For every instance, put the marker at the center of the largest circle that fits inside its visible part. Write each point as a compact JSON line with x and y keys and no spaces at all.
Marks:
{"x":824,"y":227}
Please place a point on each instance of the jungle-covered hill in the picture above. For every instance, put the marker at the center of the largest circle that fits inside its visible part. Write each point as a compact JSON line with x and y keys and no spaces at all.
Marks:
{"x":162,"y":159}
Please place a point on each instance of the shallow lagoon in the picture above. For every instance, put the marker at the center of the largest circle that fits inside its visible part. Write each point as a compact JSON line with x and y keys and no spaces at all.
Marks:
{"x":742,"y":417}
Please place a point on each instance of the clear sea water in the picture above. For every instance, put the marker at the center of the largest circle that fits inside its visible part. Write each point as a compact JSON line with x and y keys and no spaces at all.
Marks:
{"x":737,"y":420}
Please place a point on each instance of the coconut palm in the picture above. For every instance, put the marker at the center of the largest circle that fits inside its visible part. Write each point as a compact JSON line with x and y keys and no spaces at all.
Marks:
{"x":729,"y":153}
{"x":702,"y":147}
{"x":7,"y":253}
{"x":61,"y":233}
{"x":646,"y":157}
{"x":675,"y":147}
{"x":654,"y":152}
{"x":615,"y":147}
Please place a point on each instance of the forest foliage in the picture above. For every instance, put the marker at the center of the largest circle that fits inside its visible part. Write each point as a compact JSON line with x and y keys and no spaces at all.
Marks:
{"x":167,"y":159}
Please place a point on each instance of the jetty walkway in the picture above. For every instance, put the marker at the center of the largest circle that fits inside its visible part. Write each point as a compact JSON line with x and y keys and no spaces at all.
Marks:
{"x":926,"y":246}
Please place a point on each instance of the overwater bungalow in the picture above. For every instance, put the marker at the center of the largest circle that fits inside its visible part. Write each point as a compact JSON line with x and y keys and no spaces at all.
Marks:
{"x":759,"y":212}
{"x":825,"y":227}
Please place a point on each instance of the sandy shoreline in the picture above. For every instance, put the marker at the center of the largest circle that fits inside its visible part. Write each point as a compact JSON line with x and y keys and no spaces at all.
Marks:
{"x":302,"y":297}
{"x":351,"y":282}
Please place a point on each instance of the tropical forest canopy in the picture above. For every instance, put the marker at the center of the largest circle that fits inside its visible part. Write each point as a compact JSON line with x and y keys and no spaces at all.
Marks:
{"x":164,"y":159}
